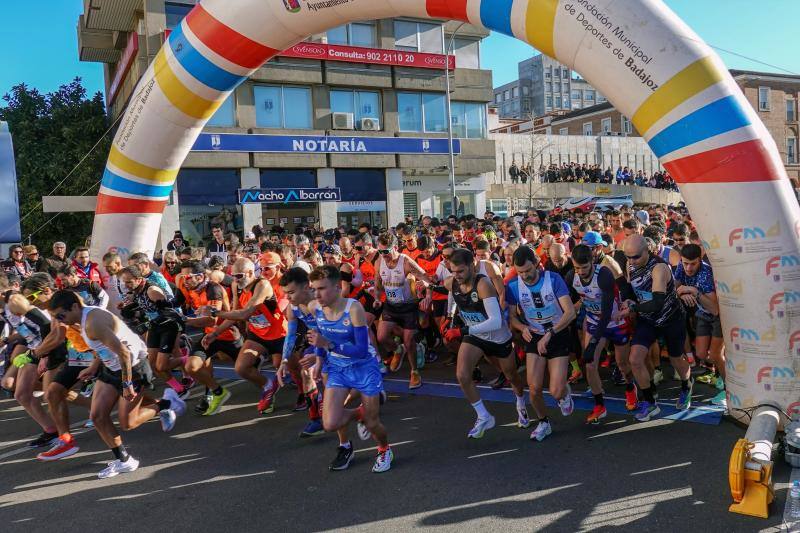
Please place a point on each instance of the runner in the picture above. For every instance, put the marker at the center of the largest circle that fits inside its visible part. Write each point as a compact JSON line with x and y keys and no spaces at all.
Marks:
{"x":91,"y":291}
{"x":541,"y":311}
{"x":597,"y":290}
{"x":658,"y":314}
{"x":341,"y":338}
{"x":121,"y":378}
{"x":400,"y":309}
{"x":434,"y":305}
{"x":485,"y":334}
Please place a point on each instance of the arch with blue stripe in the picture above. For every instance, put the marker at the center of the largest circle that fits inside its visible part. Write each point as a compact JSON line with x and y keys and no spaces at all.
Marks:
{"x":198,"y":66}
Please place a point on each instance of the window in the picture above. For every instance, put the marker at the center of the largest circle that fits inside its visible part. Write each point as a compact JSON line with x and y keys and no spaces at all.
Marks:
{"x":548,"y":87}
{"x":558,"y":101}
{"x":576,"y":104}
{"x":418,"y":36}
{"x":506,"y":95}
{"x":433,"y":109}
{"x":790,"y":114}
{"x":175,"y":12}
{"x":363,"y":104}
{"x":498,"y":207}
{"x":354,"y":34}
{"x":467,"y":52}
{"x":422,"y":112}
{"x":225,"y":116}
{"x":763,"y":99}
{"x":605,"y":125}
{"x":601,"y":98}
{"x":515,"y":92}
{"x":566,"y":101}
{"x":498,"y":98}
{"x":627,"y":127}
{"x":410,"y":205}
{"x":525,"y":90}
{"x":557,"y":87}
{"x":563,"y":131}
{"x":588,"y":95}
{"x":587,"y":128}
{"x":469,"y":119}
{"x":279,"y":106}
{"x":548,"y":101}
{"x":791,"y":151}
{"x":564,"y":74}
{"x":576,"y":95}
{"x":547,"y":74}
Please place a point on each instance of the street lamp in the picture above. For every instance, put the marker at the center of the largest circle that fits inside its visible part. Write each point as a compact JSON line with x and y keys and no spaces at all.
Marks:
{"x":452,"y":165}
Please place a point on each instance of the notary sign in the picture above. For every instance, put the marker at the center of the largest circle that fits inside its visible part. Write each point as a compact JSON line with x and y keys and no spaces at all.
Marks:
{"x":321,"y":144}
{"x":285,"y":196}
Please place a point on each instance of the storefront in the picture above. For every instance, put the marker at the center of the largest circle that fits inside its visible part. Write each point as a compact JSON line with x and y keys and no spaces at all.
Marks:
{"x":291,"y":214}
{"x":431,"y":196}
{"x":207,"y":197}
{"x":363,"y":197}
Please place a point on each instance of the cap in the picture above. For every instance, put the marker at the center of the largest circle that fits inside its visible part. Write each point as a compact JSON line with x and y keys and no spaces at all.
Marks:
{"x":566,"y":227}
{"x":250,"y":236}
{"x":269,"y":259}
{"x":333,"y":249}
{"x":592,"y":238}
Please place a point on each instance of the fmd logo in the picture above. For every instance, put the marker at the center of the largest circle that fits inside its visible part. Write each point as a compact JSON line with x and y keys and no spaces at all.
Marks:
{"x":732,"y":290}
{"x":786,"y":299}
{"x":713,"y":244}
{"x":753,"y":234}
{"x":775,"y":377}
{"x":777,"y":265}
{"x":794,"y":343}
{"x":752,"y":340}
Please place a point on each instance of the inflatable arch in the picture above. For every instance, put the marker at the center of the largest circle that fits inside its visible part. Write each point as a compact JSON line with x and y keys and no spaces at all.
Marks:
{"x":638,"y":53}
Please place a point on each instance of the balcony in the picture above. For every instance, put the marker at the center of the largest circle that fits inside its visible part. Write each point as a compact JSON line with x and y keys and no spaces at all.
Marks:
{"x":114,"y":15}
{"x":96,"y":45}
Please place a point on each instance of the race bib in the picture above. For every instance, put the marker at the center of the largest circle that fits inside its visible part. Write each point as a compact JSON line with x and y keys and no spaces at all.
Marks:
{"x":642,"y":295}
{"x":592,"y":306}
{"x":472,"y":318}
{"x":109,"y":359}
{"x":259,"y":321}
{"x":541,"y":315}
{"x":76,"y":358}
{"x":394,"y":295}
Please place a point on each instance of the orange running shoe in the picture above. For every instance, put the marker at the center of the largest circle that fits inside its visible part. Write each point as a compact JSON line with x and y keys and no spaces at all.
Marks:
{"x":397,"y":359}
{"x":599,"y":412}
{"x":416,"y":380}
{"x":632,"y":399}
{"x":575,"y":377}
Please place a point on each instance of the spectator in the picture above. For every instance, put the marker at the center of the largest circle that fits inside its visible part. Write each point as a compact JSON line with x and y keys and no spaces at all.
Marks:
{"x":38,"y":263}
{"x":85,"y":267}
{"x":513,"y":171}
{"x":177,"y":241}
{"x":16,"y":263}
{"x":58,"y":260}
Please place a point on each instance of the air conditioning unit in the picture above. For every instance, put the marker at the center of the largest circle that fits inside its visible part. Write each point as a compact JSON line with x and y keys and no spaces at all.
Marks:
{"x":369,"y":124}
{"x":343,"y":121}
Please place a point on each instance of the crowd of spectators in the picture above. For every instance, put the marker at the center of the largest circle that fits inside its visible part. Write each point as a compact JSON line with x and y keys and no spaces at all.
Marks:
{"x":584,"y":173}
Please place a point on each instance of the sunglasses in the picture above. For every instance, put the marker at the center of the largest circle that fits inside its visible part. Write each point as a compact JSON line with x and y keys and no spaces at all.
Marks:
{"x":238,"y":276}
{"x":633,"y":257}
{"x":384,"y":252}
{"x":171,"y":262}
{"x":359,"y":248}
{"x":32,"y":297}
{"x":318,"y":242}
{"x":16,"y":251}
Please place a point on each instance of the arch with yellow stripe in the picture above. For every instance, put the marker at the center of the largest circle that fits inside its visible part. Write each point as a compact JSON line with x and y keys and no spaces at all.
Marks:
{"x":638,"y":53}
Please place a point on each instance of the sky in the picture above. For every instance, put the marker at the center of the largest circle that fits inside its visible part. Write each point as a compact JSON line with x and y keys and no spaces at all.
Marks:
{"x":42,"y":51}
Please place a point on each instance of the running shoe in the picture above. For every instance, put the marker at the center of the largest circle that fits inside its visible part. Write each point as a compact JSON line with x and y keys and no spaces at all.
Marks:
{"x":383,"y":398}
{"x":605,"y":362}
{"x":343,"y":458}
{"x":265,"y":403}
{"x":415,"y":381}
{"x":631,"y":399}
{"x":118,"y":467}
{"x":217,"y":401}
{"x":60,"y":449}
{"x":480,"y":427}
{"x":383,"y":461}
{"x":647,"y":411}
{"x":89,"y":424}
{"x":566,"y":404}
{"x":421,"y":355}
{"x":685,"y":397}
{"x":720,"y":399}
{"x":499,"y":382}
{"x":87,"y":388}
{"x":397,"y":359}
{"x":541,"y":431}
{"x":522,"y":417}
{"x":431,"y":356}
{"x":301,"y":404}
{"x":477,"y":375}
{"x":363,"y":432}
{"x":720,"y":383}
{"x":658,"y":376}
{"x":168,"y":418}
{"x":45,"y":439}
{"x":313,"y":428}
{"x":616,"y":376}
{"x":706,"y":379}
{"x":177,"y":403}
{"x":382,"y":367}
{"x":202,"y":405}
{"x":575,"y":376}
{"x":598,"y":413}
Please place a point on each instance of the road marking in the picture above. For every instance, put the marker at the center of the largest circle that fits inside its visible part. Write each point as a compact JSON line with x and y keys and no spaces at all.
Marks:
{"x":245,"y":423}
{"x":391,"y":444}
{"x":492,"y":453}
{"x":223,"y":478}
{"x":681,"y":465}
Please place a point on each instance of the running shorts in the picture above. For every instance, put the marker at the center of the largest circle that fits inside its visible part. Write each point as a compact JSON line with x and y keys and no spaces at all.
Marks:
{"x":114,"y":377}
{"x":560,"y":345}
{"x":229,"y":348}
{"x":490,"y":349}
{"x":365,"y":377}
{"x":708,"y":326}
{"x":404,"y":315}
{"x":673,"y":333}
{"x":271,"y":346}
{"x":619,"y":335}
{"x":163,"y":337}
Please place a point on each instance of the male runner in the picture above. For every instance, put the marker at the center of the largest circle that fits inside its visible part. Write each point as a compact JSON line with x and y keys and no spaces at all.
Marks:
{"x":91,"y":291}
{"x":597,"y":290}
{"x":340,"y":336}
{"x":541,"y":311}
{"x":485,"y":334}
{"x":119,"y":383}
{"x":659,"y":314}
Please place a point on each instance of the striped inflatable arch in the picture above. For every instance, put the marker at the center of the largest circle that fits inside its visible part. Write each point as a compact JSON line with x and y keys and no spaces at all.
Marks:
{"x":638,"y":53}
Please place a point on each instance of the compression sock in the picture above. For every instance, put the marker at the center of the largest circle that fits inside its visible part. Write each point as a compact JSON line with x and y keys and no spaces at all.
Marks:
{"x":629,"y":386}
{"x":120,"y":453}
{"x":684,"y":385}
{"x":648,"y":395}
{"x":598,"y":399}
{"x":481,"y":410}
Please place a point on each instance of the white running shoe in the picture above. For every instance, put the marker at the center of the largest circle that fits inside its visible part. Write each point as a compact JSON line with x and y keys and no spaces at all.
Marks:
{"x":566,"y":404}
{"x":541,"y":431}
{"x":658,"y":376}
{"x":363,"y":432}
{"x":118,"y":467}
{"x":168,"y":418}
{"x":522,"y":417}
{"x":383,"y":461}
{"x":176,"y":403}
{"x":480,"y":427}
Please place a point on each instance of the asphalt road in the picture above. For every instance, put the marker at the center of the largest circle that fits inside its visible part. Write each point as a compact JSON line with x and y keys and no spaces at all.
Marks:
{"x":238,"y":471}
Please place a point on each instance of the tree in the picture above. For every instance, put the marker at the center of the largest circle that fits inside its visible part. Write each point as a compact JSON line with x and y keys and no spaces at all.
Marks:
{"x":52,"y":133}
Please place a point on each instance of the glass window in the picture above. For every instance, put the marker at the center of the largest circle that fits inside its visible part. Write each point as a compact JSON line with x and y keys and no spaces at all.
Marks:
{"x":506,"y":95}
{"x":498,"y":98}
{"x":558,"y":101}
{"x":467,"y":52}
{"x":282,"y":107}
{"x":363,"y":104}
{"x":547,"y":75}
{"x":557,"y":87}
{"x":791,"y":151}
{"x":763,"y":99}
{"x":563,"y":131}
{"x":409,"y":111}
{"x":576,"y":95}
{"x":564,"y":74}
{"x":354,"y":34}
{"x":225,"y":116}
{"x":431,"y":38}
{"x":286,"y":178}
{"x":587,"y":128}
{"x":515,"y":92}
{"x":476,"y":120}
{"x":790,"y":114}
{"x":411,"y":205}
{"x":499,"y":207}
{"x":605,"y":125}
{"x":459,"y":119}
{"x":525,"y":90}
{"x":548,"y":101}
{"x":204,"y":186}
{"x":175,"y":13}
{"x":405,"y":35}
{"x":566,"y":101}
{"x":433,"y":105}
{"x":588,"y":95}
{"x":601,"y":98}
{"x":626,"y":126}
{"x":548,"y":87}
{"x":418,"y":36}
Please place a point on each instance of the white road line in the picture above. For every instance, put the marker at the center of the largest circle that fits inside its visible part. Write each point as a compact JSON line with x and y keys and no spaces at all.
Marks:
{"x":392,"y":444}
{"x":681,"y":465}
{"x":492,"y":453}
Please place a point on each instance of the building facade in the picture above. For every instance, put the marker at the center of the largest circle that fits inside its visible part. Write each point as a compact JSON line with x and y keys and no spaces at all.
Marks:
{"x":544,"y":86}
{"x":346,"y":98}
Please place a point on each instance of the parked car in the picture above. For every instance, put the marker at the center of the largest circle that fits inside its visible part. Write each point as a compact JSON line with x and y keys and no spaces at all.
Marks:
{"x":594,"y":203}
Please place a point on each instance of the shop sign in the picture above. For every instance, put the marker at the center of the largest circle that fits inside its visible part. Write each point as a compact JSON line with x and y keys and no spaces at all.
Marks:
{"x":123,"y":67}
{"x":360,"y":207}
{"x":374,"y":56}
{"x":285,"y":196}
{"x":321,"y":144}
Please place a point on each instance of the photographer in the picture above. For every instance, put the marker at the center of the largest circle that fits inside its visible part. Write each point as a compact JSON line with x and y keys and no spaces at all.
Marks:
{"x":148,"y":309}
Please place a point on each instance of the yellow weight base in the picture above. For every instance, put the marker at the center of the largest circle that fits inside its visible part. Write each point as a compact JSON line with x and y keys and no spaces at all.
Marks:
{"x":751,"y":489}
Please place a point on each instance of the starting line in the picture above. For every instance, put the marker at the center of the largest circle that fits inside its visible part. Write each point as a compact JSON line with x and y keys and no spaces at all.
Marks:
{"x":708,"y":415}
